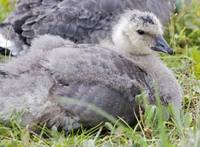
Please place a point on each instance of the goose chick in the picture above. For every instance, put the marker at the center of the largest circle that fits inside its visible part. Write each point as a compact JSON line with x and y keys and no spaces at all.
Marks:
{"x":56,"y":69}
{"x":138,"y":35}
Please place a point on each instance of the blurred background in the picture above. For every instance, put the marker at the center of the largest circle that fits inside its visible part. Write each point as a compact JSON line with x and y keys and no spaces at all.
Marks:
{"x":183,"y":34}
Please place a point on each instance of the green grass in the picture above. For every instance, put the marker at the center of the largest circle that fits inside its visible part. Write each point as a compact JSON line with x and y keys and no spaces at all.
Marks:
{"x":6,"y":7}
{"x":153,"y":128}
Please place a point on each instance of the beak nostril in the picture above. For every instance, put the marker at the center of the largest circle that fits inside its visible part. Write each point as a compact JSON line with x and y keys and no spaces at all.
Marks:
{"x":162,"y":46}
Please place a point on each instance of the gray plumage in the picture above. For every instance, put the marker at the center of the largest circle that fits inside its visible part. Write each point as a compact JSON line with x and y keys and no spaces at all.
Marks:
{"x":108,"y":77}
{"x":55,"y":67}
{"x":86,"y":21}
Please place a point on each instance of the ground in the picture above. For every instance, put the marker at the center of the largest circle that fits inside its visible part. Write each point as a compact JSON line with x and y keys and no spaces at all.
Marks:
{"x":183,"y":34}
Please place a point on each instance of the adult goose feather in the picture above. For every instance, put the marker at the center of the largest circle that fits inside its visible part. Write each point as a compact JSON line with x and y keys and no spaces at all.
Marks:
{"x":86,"y":21}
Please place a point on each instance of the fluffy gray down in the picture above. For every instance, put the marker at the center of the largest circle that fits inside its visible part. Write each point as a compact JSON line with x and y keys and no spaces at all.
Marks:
{"x":56,"y":69}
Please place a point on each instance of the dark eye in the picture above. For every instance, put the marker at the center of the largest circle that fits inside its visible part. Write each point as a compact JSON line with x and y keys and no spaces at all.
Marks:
{"x":141,"y":32}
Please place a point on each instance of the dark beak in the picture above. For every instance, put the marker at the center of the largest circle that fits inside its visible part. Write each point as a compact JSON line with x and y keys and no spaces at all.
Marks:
{"x":162,"y":46}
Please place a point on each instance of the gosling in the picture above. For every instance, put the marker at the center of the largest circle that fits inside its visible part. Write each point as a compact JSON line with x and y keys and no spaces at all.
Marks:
{"x":40,"y":84}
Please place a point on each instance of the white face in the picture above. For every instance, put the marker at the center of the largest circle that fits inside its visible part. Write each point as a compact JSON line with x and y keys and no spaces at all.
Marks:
{"x":136,"y":32}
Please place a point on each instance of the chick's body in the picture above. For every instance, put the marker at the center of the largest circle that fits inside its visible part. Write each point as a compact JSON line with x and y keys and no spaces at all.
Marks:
{"x":97,"y":76}
{"x":56,"y":71}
